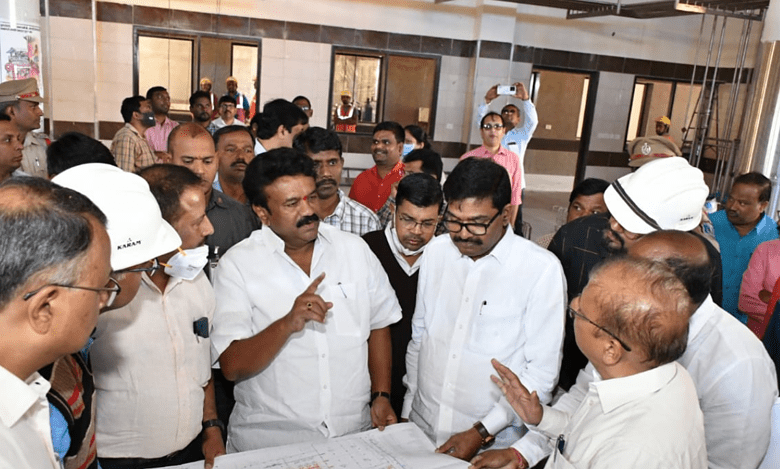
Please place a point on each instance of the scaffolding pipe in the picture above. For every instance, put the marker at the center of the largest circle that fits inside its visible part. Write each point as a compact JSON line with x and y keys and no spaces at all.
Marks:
{"x":695,"y":148}
{"x":693,"y":75}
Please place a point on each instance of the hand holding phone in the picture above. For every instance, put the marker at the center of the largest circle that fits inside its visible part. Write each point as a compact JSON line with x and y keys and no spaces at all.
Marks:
{"x":507,"y":90}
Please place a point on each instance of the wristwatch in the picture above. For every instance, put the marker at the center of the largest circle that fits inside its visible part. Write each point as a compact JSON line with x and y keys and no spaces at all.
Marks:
{"x":215,"y":423}
{"x":487,"y":438}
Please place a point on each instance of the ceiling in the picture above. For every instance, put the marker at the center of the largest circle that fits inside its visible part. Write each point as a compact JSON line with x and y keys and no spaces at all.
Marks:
{"x":749,"y":9}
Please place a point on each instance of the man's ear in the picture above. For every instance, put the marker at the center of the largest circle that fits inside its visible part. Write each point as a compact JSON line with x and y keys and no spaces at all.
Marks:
{"x":41,"y":308}
{"x":505,"y":214}
{"x":280,"y":131}
{"x":611,"y":352}
{"x":262,"y":213}
{"x":763,"y":206}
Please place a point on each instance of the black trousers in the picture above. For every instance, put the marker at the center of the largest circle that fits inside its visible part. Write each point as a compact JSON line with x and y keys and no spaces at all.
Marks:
{"x":191,"y":453}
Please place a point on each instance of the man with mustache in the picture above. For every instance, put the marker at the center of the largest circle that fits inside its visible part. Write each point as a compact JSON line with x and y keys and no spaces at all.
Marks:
{"x":191,"y":146}
{"x":234,"y":152}
{"x":399,"y":248}
{"x":155,"y":395}
{"x":302,"y":318}
{"x":666,"y":194}
{"x":483,"y":293}
{"x":331,"y":204}
{"x":739,"y":228}
{"x":202,"y":110}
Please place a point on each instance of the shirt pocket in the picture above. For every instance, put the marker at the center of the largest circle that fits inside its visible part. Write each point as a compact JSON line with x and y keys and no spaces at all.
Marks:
{"x":494,"y":329}
{"x":344,"y":316}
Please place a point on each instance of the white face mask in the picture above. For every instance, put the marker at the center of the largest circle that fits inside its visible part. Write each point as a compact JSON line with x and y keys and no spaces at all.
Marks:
{"x":400,"y":247}
{"x":187,"y":263}
{"x":408,"y":147}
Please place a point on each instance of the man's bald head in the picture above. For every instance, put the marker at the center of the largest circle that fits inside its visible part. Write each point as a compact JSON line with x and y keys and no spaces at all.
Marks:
{"x":187,"y":130}
{"x":684,"y":253}
{"x":192,"y":146}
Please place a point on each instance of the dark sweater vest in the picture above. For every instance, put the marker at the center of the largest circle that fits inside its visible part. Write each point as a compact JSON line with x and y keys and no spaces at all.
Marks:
{"x":401,"y":332}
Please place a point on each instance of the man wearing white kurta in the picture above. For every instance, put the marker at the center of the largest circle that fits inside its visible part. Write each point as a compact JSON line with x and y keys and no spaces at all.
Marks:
{"x":483,"y":293}
{"x":306,"y":365}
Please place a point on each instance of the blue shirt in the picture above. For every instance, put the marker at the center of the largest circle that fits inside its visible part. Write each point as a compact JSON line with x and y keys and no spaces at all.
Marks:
{"x":735,"y":252}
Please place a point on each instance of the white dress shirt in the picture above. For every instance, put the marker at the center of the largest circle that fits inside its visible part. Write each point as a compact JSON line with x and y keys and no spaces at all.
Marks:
{"x":508,"y":305}
{"x":392,"y":240}
{"x":318,"y":385}
{"x":150,"y":370}
{"x":25,"y":434}
{"x":647,"y":420}
{"x":735,"y":382}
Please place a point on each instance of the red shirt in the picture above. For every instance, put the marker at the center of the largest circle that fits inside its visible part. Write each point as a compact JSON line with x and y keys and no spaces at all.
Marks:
{"x":371,"y":190}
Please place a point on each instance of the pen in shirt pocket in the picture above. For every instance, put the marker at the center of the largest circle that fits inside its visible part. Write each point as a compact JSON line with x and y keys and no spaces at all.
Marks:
{"x":342,"y":290}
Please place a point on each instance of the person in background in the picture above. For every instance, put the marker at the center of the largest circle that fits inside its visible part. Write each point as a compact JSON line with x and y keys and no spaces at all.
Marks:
{"x":157,"y":136}
{"x":415,"y":138}
{"x":279,"y":123}
{"x":760,"y":288}
{"x":345,"y":116}
{"x":662,"y":126}
{"x":331,"y":204}
{"x":373,"y":186}
{"x":739,"y":228}
{"x":202,"y":111}
{"x":74,"y":149}
{"x":10,"y":148}
{"x":205,"y":86}
{"x":227,"y":113}
{"x":242,"y":104}
{"x":20,"y":100}
{"x":130,"y":148}
{"x":587,"y":198}
{"x":305,"y":105}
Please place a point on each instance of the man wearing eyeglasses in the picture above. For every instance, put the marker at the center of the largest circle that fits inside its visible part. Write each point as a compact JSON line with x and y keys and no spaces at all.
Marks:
{"x":138,"y":234}
{"x":491,"y":128}
{"x":637,"y":407}
{"x":483,"y":293}
{"x":155,"y":402}
{"x":332,"y":205}
{"x":55,"y":268}
{"x":227,"y":113}
{"x":399,"y":248}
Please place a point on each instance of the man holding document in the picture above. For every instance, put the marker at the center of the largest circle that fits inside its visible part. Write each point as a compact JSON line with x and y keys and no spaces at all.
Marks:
{"x":302,"y":318}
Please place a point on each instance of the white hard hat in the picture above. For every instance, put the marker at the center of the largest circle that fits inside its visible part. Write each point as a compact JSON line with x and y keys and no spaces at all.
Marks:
{"x":135,"y":225}
{"x":665,"y":194}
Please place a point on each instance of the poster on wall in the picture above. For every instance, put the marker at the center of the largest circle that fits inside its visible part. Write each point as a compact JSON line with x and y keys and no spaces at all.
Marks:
{"x":20,"y":52}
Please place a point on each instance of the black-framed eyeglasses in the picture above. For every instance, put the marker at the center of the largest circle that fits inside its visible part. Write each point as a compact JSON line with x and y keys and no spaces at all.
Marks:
{"x":492,"y":126}
{"x":149,"y":270}
{"x":573,"y":312}
{"x":411,"y":223}
{"x":477,"y":229}
{"x":112,"y":291}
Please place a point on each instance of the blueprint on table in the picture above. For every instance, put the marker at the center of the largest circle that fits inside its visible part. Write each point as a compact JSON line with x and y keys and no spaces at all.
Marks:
{"x":400,"y":446}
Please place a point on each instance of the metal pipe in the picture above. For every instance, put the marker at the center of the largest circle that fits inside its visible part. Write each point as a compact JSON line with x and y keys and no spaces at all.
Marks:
{"x":96,"y":127}
{"x":47,"y":64}
{"x":695,"y":147}
{"x":693,"y":75}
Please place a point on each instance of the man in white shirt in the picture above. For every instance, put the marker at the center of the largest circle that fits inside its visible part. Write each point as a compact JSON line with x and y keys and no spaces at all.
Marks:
{"x":151,"y":358}
{"x":54,"y":279}
{"x":227,"y":113}
{"x":640,"y":409}
{"x":483,"y":293}
{"x":302,"y":318}
{"x":332,"y":205}
{"x":734,"y":376}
